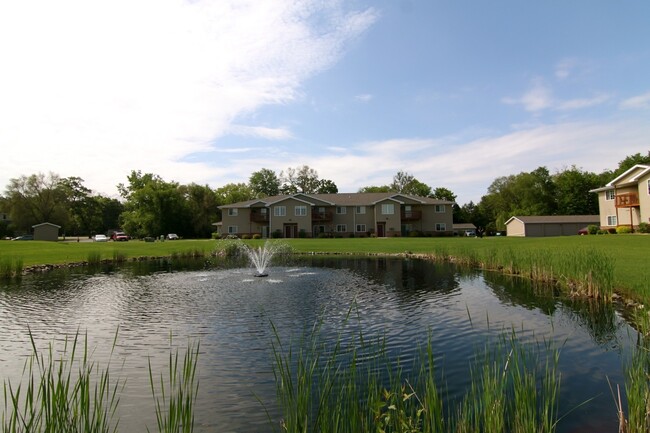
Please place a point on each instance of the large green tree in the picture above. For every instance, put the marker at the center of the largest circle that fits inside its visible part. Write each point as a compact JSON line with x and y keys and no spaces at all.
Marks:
{"x":572,"y":194}
{"x":202,"y":203}
{"x":36,"y":199}
{"x":153,"y":207}
{"x":264,"y":183}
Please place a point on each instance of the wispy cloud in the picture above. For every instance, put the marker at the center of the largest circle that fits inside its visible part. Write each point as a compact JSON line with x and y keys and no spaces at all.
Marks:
{"x":146,"y":84}
{"x":538,"y":97}
{"x":575,"y":104}
{"x":364,"y":97}
{"x":261,"y":132}
{"x":636,"y":102}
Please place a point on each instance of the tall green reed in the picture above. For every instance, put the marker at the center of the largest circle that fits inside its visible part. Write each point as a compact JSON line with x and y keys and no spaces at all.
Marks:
{"x":65,"y":394}
{"x":356,"y":387}
{"x":174,"y":403}
{"x":11,"y":267}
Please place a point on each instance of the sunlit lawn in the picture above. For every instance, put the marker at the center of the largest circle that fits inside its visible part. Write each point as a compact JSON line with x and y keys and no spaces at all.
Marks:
{"x":630,"y":253}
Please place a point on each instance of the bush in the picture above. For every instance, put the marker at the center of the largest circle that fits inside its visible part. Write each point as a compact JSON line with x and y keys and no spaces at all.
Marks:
{"x":302,"y":234}
{"x":644,"y":228}
{"x":257,"y":236}
{"x":592,"y":229}
{"x":276,"y":234}
{"x":216,"y":235}
{"x":621,"y":230}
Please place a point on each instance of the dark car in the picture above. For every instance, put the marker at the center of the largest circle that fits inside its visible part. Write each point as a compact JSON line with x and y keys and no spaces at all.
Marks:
{"x":119,"y":237}
{"x":23,"y":238}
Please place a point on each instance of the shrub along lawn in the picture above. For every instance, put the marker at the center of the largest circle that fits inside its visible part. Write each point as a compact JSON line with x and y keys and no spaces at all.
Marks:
{"x":627,"y":253}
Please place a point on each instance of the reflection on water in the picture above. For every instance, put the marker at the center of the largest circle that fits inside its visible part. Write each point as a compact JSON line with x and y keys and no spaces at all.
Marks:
{"x":230,"y":312}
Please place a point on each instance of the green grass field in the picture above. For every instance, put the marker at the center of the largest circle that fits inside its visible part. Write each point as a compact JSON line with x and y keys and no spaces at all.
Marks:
{"x":628,"y":254}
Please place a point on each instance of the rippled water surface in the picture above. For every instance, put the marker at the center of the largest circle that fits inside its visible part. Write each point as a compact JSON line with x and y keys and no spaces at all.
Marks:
{"x":230,"y":313}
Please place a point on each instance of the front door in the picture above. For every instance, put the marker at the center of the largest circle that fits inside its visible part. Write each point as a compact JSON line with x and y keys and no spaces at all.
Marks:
{"x":290,"y":230}
{"x":381,"y":230}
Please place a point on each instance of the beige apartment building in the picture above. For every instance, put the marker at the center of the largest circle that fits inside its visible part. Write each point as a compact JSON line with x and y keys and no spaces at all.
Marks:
{"x":625,"y":201}
{"x":344,"y":215}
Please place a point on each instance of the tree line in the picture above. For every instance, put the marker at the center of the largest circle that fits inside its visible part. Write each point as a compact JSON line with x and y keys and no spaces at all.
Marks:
{"x":151,"y":206}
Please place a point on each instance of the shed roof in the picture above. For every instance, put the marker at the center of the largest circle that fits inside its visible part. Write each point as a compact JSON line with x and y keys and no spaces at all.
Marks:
{"x":556,"y":219}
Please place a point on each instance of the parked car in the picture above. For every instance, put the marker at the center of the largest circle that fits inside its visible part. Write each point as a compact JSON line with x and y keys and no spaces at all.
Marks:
{"x":172,"y":237}
{"x":583,"y":231}
{"x":119,"y":237}
{"x":100,"y":238}
{"x":24,"y":238}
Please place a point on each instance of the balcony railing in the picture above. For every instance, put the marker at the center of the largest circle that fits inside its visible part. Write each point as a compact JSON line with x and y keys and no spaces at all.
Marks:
{"x":628,"y":199}
{"x":411,"y":215}
{"x":258,"y":217}
{"x":322,"y":216}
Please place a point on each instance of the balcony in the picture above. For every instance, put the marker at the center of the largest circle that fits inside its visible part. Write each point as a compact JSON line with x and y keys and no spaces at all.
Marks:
{"x":258,"y":217}
{"x":411,"y":215}
{"x":628,"y":199}
{"x":322,"y":216}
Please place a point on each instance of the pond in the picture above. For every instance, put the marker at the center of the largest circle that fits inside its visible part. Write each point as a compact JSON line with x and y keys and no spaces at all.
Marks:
{"x":407,"y":301}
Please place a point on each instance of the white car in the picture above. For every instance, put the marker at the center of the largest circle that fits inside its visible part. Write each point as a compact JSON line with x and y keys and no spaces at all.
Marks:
{"x":172,"y":237}
{"x":100,"y":238}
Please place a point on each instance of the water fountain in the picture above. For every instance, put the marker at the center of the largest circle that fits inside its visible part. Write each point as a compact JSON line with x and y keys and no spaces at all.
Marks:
{"x":259,"y":257}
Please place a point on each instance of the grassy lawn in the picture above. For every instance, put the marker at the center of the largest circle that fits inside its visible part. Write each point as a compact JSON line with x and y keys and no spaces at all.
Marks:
{"x":628,"y":253}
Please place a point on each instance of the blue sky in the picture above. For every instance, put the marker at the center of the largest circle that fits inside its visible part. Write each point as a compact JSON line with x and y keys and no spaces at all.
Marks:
{"x":455,"y":93}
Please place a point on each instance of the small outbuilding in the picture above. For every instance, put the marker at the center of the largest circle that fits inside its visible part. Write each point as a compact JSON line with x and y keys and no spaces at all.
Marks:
{"x":464,"y":229}
{"x":46,"y":232}
{"x":549,"y":225}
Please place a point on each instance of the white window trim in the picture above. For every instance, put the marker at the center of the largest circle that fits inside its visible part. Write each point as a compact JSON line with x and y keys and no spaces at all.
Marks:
{"x":344,"y":228}
{"x":233,"y":230}
{"x":300,"y":211}
{"x":341,"y":210}
{"x":385,"y":207}
{"x":612,"y":219}
{"x":280,"y":211}
{"x":610,"y":194}
{"x":440,"y":208}
{"x":361,"y":228}
{"x":361,"y":210}
{"x":233,"y":212}
{"x":441,"y":227}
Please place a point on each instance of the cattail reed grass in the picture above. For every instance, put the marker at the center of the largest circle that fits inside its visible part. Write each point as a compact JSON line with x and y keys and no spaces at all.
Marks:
{"x":11,"y":267}
{"x":514,"y":387}
{"x":119,"y":256}
{"x":65,"y":394}
{"x":174,"y":402}
{"x":578,"y":272}
{"x":94,"y":258}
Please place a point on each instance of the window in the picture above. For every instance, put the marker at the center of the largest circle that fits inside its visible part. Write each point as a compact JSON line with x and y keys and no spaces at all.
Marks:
{"x":232,"y":230}
{"x":611,"y":220}
{"x":440,"y":208}
{"x":361,"y":228}
{"x":301,"y":210}
{"x":280,"y":211}
{"x":361,"y":210}
{"x":441,"y":227}
{"x":233,"y":212}
{"x":387,"y":209}
{"x":610,"y":194}
{"x":341,"y":228}
{"x":341,"y":210}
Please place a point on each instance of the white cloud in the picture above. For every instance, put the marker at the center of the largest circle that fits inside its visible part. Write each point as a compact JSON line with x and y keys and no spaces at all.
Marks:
{"x":96,"y":89}
{"x":261,"y":132}
{"x":537,"y":98}
{"x":637,"y":102}
{"x":575,"y":104}
{"x":564,"y":68}
{"x":469,"y":167}
{"x":364,"y":97}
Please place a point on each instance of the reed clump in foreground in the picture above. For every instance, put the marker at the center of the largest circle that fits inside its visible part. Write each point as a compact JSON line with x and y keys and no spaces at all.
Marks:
{"x":70,"y":393}
{"x":356,"y":388}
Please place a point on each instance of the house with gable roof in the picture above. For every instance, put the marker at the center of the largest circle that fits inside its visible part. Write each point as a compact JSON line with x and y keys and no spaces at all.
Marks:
{"x":625,"y":201}
{"x":343,"y":214}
